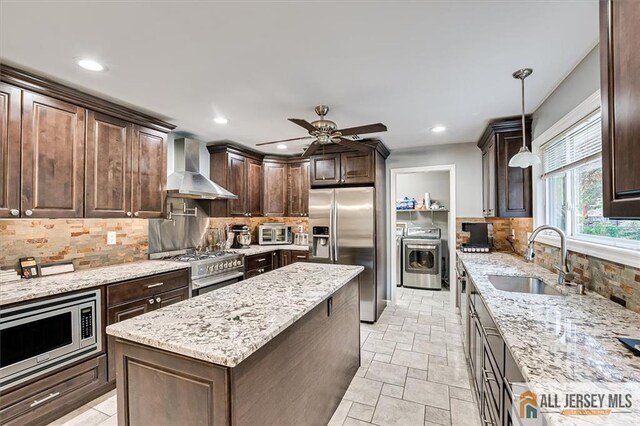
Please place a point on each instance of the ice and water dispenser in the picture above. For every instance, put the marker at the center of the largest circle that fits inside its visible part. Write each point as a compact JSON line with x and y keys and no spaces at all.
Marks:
{"x":320,"y":243}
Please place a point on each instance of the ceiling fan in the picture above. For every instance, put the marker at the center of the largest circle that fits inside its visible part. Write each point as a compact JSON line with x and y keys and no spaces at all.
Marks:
{"x":326,"y":132}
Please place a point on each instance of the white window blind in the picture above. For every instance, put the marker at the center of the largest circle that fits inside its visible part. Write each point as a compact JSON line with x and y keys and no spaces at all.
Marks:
{"x":579,"y":144}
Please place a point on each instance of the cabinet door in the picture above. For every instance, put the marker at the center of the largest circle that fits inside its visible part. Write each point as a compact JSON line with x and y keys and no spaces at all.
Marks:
{"x":275,"y":261}
{"x":285,"y":257}
{"x":298,"y":202}
{"x":485,"y":183}
{"x":170,"y":297}
{"x":237,"y":178}
{"x":52,"y":157}
{"x":121,"y":313}
{"x":10,"y":111}
{"x":357,"y":167}
{"x":108,"y":170}
{"x":325,"y":169}
{"x":254,"y":188}
{"x":274,"y":188}
{"x":492,"y":185}
{"x":620,"y":91}
{"x":149,"y":172}
{"x":514,"y":183}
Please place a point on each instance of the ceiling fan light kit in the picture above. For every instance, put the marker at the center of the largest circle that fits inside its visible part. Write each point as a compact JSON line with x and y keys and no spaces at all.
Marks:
{"x":326,"y":132}
{"x":524,"y":158}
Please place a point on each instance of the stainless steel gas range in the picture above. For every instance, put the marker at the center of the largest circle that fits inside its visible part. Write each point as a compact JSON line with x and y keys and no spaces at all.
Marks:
{"x":210,"y":270}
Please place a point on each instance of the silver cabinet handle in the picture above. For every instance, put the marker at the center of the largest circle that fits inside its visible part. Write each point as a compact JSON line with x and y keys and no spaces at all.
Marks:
{"x":261,"y":260}
{"x":154,"y":285}
{"x":151,"y":301}
{"x":14,"y":212}
{"x":45,"y":399}
{"x":486,"y":375}
{"x":28,"y":212}
{"x":136,"y":214}
{"x":128,"y":214}
{"x":158,"y":300}
{"x":301,"y":257}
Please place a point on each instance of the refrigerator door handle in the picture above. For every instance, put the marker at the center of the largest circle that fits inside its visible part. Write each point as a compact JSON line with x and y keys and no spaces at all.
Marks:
{"x":331,"y":240}
{"x":334,"y":227}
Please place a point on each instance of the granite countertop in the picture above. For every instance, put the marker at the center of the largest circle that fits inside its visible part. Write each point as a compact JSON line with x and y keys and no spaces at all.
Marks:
{"x":559,"y":341}
{"x":257,"y":249}
{"x":35,"y":288}
{"x":228,"y":325}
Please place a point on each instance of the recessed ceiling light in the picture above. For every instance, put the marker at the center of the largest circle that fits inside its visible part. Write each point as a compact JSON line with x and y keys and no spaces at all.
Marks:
{"x":220,"y":120}
{"x":282,"y":146}
{"x":438,"y":129}
{"x":91,"y":65}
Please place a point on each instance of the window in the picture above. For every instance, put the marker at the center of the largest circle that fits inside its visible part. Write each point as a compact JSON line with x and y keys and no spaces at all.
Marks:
{"x":572,"y":170}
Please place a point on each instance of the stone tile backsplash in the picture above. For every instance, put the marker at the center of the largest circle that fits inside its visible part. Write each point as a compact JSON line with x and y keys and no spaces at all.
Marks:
{"x":81,"y":241}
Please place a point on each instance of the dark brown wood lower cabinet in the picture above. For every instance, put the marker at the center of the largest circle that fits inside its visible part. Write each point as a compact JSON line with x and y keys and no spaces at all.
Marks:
{"x":299,"y":256}
{"x":285,"y":382}
{"x":46,"y":399}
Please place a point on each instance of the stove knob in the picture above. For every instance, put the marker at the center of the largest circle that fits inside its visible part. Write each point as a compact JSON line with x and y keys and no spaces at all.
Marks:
{"x":235,"y":263}
{"x":215,"y":267}
{"x":226,"y":264}
{"x":210,"y":268}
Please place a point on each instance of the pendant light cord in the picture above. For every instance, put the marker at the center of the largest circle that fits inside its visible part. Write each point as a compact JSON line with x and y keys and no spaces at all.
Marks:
{"x":524,"y":133}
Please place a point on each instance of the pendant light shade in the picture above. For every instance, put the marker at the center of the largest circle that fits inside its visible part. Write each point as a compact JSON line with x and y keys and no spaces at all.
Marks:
{"x":524,"y":158}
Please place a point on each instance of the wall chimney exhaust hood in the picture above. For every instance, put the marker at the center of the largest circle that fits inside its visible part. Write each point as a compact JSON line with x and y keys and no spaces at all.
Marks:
{"x":186,"y":181}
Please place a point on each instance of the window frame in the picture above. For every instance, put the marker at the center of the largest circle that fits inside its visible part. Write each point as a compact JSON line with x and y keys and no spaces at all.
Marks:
{"x":612,"y":249}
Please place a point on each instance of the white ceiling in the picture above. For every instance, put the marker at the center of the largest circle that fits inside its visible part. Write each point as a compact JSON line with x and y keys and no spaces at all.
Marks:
{"x":410,"y":65}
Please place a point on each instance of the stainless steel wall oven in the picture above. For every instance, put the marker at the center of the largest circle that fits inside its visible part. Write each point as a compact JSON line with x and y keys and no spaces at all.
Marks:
{"x":38,"y":337}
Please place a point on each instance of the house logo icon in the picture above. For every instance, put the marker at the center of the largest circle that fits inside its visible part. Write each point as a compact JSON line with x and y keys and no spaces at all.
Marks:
{"x":528,"y":405}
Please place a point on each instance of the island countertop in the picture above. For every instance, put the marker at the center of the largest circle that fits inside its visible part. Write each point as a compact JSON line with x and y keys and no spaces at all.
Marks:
{"x":226,"y":326}
{"x":34,"y":288}
{"x":559,"y":340}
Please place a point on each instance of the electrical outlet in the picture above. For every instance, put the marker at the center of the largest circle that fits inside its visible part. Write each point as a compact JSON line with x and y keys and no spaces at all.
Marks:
{"x":111,"y":238}
{"x":300,"y":228}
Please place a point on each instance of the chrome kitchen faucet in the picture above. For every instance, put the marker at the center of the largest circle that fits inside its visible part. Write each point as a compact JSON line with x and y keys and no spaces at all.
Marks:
{"x":564,"y":273}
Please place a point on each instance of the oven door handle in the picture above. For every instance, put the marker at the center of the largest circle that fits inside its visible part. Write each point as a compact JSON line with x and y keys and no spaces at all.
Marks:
{"x":420,"y":247}
{"x":216,"y":279}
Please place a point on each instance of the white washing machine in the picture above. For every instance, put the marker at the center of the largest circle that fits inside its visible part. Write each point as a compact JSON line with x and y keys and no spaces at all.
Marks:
{"x":421,"y":264}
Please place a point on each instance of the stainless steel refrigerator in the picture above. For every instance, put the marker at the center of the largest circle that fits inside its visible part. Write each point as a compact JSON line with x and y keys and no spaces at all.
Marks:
{"x":342,"y":224}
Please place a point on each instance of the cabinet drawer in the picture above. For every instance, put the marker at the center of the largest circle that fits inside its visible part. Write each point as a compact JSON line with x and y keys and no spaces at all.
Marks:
{"x":299,"y":256}
{"x":259,"y":261}
{"x":258,"y":271}
{"x":146,"y":287}
{"x":28,"y":404}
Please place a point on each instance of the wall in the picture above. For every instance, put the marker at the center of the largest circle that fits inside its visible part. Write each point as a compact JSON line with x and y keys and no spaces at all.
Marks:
{"x":81,"y":241}
{"x":468,"y":161}
{"x":583,"y":81}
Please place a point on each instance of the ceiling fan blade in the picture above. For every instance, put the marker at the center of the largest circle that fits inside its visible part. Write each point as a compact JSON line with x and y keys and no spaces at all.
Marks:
{"x":311,"y":149}
{"x":360,"y":130}
{"x":284,"y":140}
{"x":303,"y":123}
{"x":351,"y":144}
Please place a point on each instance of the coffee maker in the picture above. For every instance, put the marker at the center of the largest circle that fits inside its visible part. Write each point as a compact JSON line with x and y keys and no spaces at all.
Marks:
{"x":241,"y":236}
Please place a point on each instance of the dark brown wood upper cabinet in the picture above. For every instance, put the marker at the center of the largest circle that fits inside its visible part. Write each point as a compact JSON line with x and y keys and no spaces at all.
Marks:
{"x":149,"y":172}
{"x":10,"y":111}
{"x":506,"y":190}
{"x":298,"y":200}
{"x":357,"y":167}
{"x":275,"y":188}
{"x":108,"y":172}
{"x":352,"y":167}
{"x":254,"y":188}
{"x":620,"y":92}
{"x":52,"y":157}
{"x":325,"y":169}
{"x":242,"y":175}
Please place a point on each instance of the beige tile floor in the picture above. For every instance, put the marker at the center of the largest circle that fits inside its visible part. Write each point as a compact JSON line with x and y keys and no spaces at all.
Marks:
{"x":413,"y":371}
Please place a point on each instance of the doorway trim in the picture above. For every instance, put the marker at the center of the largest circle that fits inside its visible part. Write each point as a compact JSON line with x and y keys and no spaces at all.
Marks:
{"x":391,"y":222}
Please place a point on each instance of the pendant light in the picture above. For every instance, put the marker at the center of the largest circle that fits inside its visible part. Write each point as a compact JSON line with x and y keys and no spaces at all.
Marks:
{"x":524,"y":158}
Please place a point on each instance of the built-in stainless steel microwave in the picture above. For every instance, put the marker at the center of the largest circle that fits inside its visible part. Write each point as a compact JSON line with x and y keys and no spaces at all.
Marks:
{"x":274,"y":233}
{"x":44,"y":335}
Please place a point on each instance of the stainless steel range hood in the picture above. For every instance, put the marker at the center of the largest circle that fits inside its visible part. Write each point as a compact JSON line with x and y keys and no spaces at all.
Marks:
{"x":187,"y":181}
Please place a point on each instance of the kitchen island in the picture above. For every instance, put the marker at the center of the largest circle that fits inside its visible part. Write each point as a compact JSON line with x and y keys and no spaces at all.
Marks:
{"x":280,"y":348}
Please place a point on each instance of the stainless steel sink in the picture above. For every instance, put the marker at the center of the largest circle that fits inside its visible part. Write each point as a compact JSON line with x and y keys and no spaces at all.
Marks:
{"x":518,"y":284}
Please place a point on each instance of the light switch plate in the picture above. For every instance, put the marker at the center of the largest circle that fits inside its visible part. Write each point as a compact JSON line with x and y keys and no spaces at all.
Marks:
{"x":111,"y":238}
